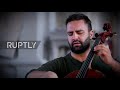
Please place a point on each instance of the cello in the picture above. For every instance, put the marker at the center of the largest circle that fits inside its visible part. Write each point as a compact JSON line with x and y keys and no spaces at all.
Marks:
{"x":84,"y":71}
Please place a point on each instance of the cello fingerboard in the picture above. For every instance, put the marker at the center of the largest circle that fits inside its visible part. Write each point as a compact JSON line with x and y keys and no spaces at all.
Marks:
{"x":83,"y":70}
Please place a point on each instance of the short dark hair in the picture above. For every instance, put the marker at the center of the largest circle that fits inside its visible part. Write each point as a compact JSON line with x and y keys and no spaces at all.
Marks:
{"x":79,"y":16}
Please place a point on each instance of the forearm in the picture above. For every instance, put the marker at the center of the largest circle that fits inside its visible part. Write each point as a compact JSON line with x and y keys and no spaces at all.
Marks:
{"x":42,"y":74}
{"x":115,"y":67}
{"x":36,"y":74}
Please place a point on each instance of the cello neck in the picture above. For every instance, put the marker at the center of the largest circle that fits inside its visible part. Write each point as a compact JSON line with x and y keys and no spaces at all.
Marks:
{"x":83,"y":70}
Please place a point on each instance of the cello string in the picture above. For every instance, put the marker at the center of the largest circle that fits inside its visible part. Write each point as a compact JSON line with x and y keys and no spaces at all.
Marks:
{"x":85,"y":65}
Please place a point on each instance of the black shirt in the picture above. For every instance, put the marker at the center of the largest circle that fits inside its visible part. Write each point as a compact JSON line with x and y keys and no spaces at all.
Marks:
{"x":64,"y":65}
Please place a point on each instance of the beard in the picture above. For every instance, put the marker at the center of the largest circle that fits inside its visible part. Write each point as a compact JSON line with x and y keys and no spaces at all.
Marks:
{"x":80,"y":48}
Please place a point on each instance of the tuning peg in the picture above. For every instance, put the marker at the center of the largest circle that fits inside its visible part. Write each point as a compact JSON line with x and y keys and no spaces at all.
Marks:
{"x":93,"y":38}
{"x":106,"y":26}
{"x":114,"y":33}
{"x":96,"y":34}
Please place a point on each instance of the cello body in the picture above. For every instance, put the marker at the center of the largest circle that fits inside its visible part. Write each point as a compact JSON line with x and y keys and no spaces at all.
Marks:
{"x":91,"y":73}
